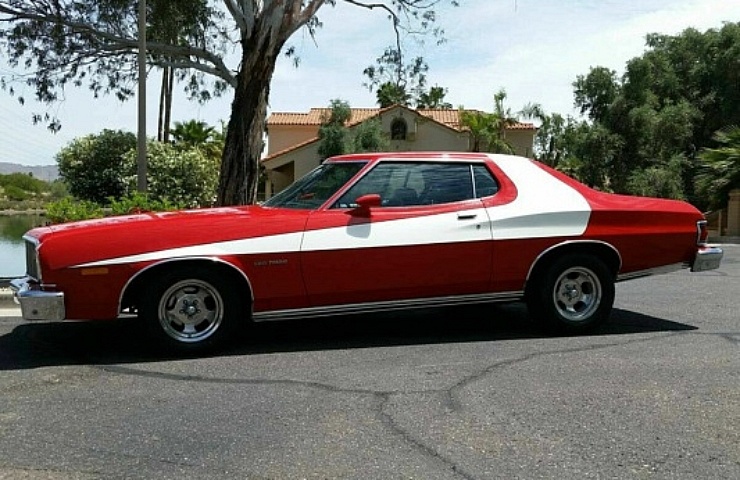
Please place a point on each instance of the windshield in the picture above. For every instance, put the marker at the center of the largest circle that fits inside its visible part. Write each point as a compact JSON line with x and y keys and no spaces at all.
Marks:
{"x":316,"y":187}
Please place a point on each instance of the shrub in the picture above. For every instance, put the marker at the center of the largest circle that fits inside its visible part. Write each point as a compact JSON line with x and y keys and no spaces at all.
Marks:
{"x":182,"y":176}
{"x":24,"y":182}
{"x":69,"y":210}
{"x":140,"y":202}
{"x":93,"y":166}
{"x":16,"y":194}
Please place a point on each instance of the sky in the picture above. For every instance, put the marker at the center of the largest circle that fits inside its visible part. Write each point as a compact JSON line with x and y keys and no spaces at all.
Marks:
{"x":533,"y":49}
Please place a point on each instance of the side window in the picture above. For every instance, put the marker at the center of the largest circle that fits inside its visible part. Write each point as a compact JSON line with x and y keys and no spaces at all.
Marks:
{"x":445,"y":183}
{"x":485,"y":184}
{"x":403,"y":184}
{"x":377,"y":180}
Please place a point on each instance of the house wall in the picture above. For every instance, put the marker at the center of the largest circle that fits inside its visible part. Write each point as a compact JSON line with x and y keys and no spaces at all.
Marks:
{"x":522,"y":141}
{"x":288,"y":168}
{"x":282,"y":137}
{"x":424,"y":135}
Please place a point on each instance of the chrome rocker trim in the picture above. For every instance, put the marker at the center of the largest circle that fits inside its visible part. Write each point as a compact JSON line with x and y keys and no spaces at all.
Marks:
{"x":375,"y":307}
{"x":662,"y":270}
{"x":35,"y":303}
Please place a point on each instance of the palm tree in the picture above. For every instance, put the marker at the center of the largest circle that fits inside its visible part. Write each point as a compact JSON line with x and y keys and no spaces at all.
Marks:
{"x":720,"y":169}
{"x":501,"y":120}
{"x":478,"y":125}
{"x":433,"y":99}
{"x":391,"y":93}
{"x":174,"y":22}
{"x":192,"y":133}
{"x":549,"y":145}
{"x":488,"y":130}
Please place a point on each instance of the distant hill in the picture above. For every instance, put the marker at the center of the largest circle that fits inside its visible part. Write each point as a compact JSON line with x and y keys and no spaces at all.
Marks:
{"x":46,"y":173}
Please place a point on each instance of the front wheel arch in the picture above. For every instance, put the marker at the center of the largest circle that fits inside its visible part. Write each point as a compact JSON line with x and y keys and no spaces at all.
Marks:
{"x":191,"y":307}
{"x":132,"y":294}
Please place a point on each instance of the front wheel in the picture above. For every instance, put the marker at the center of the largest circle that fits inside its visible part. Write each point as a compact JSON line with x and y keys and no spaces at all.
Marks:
{"x":575,"y":293}
{"x":192,"y":309}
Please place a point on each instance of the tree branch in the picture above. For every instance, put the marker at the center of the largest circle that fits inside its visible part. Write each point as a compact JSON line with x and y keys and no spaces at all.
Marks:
{"x":218,"y":68}
{"x":239,"y":15}
{"x":310,"y":10}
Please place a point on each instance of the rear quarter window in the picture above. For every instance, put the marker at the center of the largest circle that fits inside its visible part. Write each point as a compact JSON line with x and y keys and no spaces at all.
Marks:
{"x":485,"y":183}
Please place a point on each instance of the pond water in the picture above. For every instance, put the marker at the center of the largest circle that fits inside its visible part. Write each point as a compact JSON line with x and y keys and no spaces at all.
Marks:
{"x":12,"y":249}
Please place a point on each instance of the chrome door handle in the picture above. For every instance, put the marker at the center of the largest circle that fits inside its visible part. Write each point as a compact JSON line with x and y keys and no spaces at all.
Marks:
{"x":466,"y":216}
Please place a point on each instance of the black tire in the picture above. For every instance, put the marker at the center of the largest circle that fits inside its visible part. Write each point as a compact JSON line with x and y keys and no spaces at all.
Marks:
{"x":575,"y":293}
{"x":192,"y":309}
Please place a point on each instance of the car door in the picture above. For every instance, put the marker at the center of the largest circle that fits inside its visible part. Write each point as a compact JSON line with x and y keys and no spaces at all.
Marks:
{"x":428,"y":237}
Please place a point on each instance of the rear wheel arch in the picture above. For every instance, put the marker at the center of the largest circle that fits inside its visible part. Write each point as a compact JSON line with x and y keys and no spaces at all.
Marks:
{"x":603,"y":251}
{"x":571,"y":288}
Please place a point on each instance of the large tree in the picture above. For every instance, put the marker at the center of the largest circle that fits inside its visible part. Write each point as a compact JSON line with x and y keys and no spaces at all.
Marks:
{"x":664,"y":109}
{"x":61,"y":42}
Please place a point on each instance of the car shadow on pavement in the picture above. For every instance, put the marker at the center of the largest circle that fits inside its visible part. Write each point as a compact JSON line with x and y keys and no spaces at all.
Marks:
{"x":124,"y":341}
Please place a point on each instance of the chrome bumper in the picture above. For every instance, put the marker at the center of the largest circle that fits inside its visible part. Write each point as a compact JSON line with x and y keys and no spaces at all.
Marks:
{"x":35,"y":303}
{"x":707,"y":258}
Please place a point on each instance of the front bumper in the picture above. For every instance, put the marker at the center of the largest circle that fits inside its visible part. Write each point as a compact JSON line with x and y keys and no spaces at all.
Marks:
{"x":35,"y":303}
{"x":707,"y":258}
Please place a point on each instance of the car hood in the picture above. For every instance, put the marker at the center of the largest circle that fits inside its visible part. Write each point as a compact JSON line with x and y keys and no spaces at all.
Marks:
{"x":88,"y":241}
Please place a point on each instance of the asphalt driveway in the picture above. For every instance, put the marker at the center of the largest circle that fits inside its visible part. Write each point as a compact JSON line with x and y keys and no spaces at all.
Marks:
{"x":471,"y":393}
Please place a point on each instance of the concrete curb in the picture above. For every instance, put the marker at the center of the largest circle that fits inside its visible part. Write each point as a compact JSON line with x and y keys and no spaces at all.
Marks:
{"x":725,"y":240}
{"x":6,"y":299}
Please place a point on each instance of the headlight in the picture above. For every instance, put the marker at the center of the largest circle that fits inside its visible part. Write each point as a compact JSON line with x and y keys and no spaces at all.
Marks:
{"x":32,"y":258}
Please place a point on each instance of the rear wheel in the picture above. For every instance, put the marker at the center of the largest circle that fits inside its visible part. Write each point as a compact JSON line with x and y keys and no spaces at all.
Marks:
{"x":192,"y":309}
{"x":574,"y":293}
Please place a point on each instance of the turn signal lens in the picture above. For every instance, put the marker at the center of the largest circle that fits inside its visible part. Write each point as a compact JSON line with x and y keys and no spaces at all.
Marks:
{"x":94,"y":271}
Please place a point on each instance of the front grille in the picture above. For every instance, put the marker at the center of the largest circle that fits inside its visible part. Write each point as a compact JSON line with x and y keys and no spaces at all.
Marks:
{"x":32,"y":260}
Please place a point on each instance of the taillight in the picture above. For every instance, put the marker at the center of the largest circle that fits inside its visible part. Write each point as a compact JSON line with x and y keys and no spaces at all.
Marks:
{"x":702,"y":233}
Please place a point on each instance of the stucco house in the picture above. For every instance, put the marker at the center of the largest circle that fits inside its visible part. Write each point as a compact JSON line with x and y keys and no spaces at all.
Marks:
{"x":293,"y":137}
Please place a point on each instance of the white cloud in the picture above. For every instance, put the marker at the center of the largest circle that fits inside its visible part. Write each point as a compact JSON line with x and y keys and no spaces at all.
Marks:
{"x":544,"y":48}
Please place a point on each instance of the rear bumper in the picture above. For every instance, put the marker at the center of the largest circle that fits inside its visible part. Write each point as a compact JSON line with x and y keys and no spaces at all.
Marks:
{"x":707,"y":258}
{"x":35,"y":303}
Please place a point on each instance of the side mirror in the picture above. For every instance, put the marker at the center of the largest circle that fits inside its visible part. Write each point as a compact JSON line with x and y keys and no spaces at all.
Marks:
{"x":365,"y":203}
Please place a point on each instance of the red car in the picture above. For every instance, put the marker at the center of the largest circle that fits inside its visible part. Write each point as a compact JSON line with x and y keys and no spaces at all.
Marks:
{"x":362,"y":233}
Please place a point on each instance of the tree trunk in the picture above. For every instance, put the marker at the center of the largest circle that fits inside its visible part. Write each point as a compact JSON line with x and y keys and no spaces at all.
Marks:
{"x":168,"y":104}
{"x":165,"y":104}
{"x":244,"y":135}
{"x":162,"y":96}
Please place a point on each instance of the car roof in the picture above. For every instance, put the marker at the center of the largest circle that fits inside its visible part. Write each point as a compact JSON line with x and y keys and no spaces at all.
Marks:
{"x":416,"y":156}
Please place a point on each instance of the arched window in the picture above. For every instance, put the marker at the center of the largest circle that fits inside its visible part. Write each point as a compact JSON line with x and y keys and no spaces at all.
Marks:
{"x":399,"y":128}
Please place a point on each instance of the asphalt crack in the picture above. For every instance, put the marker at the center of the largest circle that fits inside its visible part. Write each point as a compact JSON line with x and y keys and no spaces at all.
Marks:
{"x":385,"y":396}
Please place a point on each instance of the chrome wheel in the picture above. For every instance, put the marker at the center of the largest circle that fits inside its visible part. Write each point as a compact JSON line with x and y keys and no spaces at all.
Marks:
{"x":577,"y":294}
{"x":190,"y":311}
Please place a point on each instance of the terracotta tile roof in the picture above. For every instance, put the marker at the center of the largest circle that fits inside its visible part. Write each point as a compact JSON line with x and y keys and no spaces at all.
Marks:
{"x":316,"y":115}
{"x":522,"y":126}
{"x":450,"y":118}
